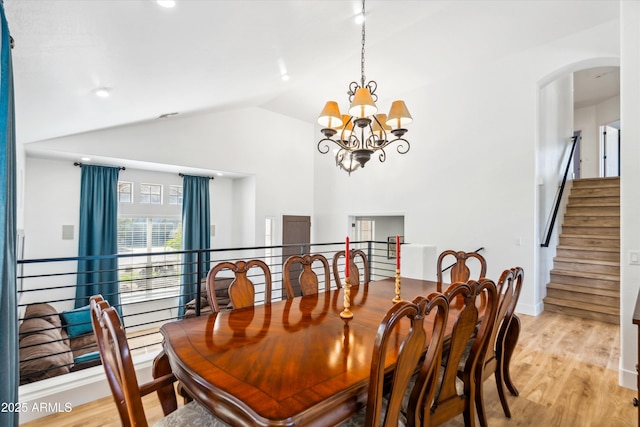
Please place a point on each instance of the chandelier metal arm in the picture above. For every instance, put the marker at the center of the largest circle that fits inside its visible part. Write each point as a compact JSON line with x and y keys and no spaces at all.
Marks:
{"x":400,"y":147}
{"x":325,"y":148}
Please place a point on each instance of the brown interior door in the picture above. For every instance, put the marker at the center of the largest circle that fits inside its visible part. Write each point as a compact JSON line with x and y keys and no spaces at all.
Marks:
{"x":296,"y":230}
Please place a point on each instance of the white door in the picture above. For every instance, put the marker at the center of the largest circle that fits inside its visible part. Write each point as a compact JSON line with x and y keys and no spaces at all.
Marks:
{"x":610,"y":149}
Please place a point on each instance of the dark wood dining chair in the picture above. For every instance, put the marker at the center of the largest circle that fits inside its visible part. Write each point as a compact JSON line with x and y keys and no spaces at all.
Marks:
{"x":455,"y":393}
{"x":490,"y":363}
{"x":354,"y":271}
{"x":308,"y":279}
{"x":121,"y":375}
{"x":506,"y":341}
{"x":241,"y":289}
{"x":411,"y":357}
{"x":459,"y":271}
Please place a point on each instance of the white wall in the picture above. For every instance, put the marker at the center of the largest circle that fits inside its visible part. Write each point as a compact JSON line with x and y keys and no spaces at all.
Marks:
{"x":629,"y":186}
{"x":222,"y":195}
{"x":20,"y":185}
{"x":52,"y":199}
{"x":54,"y":186}
{"x":585,"y":120}
{"x":252,"y":141}
{"x":555,"y":129}
{"x":469,"y":179}
{"x":589,"y":119}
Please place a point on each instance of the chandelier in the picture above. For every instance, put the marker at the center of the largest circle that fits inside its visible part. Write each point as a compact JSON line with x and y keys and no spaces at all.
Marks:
{"x":363,"y":131}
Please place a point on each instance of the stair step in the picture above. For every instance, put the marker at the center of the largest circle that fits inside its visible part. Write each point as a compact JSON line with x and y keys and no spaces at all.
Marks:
{"x":586,"y":279}
{"x":587,"y":265}
{"x":578,"y":290}
{"x":602,"y":241}
{"x":593,"y":210}
{"x":595,"y":191}
{"x":597,"y":182}
{"x":588,"y":248}
{"x":578,"y":297}
{"x":555,"y":307}
{"x":590,"y":230}
{"x":592,"y":221}
{"x":587,"y":261}
{"x":589,"y":201}
{"x":583,"y":305}
{"x":599,"y":253}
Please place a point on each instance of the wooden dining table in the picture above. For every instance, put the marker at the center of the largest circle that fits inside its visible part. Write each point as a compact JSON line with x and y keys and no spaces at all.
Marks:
{"x":294,"y":362}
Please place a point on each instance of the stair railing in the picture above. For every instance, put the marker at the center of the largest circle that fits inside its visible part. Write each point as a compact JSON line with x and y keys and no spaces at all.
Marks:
{"x":556,"y":207}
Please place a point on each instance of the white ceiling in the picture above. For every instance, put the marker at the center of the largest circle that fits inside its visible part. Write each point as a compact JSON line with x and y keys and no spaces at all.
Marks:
{"x":213,"y":55}
{"x":595,"y":85}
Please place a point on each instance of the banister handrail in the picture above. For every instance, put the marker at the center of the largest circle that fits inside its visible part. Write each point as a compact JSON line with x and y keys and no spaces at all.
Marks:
{"x":556,"y":207}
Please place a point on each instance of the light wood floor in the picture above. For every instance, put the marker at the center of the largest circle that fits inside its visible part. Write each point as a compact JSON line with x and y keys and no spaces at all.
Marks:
{"x":564,"y":367}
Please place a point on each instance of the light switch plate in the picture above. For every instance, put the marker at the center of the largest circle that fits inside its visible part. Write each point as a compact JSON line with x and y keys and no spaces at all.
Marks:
{"x":634,"y":257}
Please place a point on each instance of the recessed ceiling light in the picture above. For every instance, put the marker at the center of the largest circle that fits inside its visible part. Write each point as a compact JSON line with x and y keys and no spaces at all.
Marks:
{"x":359,"y":18}
{"x":103,"y":92}
{"x":86,"y":159}
{"x":286,"y":77}
{"x":167,"y":3}
{"x":220,"y":174}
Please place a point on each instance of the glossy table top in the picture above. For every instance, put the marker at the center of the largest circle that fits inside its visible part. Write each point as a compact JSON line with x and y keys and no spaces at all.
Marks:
{"x":292,"y":362}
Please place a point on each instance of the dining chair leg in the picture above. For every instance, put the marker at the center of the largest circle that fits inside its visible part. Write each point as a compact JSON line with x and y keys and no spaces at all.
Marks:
{"x":166,"y":394}
{"x":469,"y":415}
{"x":500,"y":385}
{"x":513,"y":331}
{"x":482,"y":416}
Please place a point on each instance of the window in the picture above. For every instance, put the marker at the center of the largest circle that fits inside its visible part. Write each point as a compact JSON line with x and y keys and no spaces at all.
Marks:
{"x":175,"y":194}
{"x":269,"y":226}
{"x":155,"y":274}
{"x":125,"y":192}
{"x":151,"y":194}
{"x":365,"y":229}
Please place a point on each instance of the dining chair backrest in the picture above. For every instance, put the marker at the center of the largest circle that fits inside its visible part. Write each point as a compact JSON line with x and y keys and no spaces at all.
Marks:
{"x":354,"y":272}
{"x":518,"y":278}
{"x":97,"y":305}
{"x":459,"y":271}
{"x":505,"y":294}
{"x":242,"y":291}
{"x":455,"y":393}
{"x":410,"y":356}
{"x":119,"y":368}
{"x":308,"y":279}
{"x":492,"y":362}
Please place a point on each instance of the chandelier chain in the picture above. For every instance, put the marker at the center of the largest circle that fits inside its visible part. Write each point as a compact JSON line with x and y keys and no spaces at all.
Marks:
{"x":362,"y":76}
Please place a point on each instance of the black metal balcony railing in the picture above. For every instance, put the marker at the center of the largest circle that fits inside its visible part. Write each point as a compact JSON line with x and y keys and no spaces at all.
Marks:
{"x":150,"y":287}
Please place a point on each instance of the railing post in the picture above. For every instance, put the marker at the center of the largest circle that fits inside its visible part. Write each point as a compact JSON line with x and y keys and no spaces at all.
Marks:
{"x":198,"y":281}
{"x":369,"y":255}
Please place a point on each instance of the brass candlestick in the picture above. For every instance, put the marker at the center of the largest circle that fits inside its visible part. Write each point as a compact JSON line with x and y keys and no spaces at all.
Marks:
{"x":397,"y":297}
{"x":346,"y":313}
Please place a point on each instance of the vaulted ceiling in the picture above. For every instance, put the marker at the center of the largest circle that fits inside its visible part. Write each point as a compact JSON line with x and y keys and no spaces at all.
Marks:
{"x":214,"y":55}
